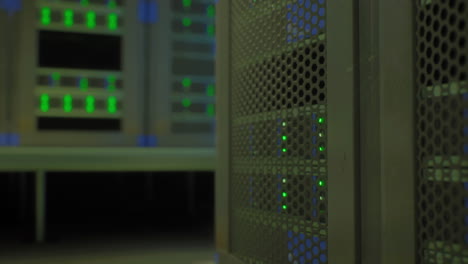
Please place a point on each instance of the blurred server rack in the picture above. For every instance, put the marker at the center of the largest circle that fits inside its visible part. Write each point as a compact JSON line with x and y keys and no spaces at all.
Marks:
{"x":181,"y":74}
{"x":78,"y":73}
{"x":286,"y":96}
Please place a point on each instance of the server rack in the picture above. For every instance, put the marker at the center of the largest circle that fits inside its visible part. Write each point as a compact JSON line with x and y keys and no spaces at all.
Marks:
{"x":403,"y":88}
{"x":77,"y":75}
{"x":181,"y":70}
{"x":287,"y":93}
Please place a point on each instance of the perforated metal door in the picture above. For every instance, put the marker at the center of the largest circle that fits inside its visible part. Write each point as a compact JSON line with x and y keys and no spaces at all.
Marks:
{"x":442,"y":127}
{"x":278,"y":181}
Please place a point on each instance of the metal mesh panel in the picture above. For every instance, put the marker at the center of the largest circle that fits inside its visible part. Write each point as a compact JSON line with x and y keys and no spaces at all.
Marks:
{"x":442,"y":127}
{"x":278,"y":175}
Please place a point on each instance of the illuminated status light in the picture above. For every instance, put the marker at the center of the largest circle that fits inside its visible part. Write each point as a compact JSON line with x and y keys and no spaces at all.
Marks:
{"x":112,"y":4}
{"x":45,"y":103}
{"x":68,"y":14}
{"x":284,"y":180}
{"x":320,"y":134}
{"x":285,"y":194}
{"x":84,"y":2}
{"x":186,"y":102}
{"x":187,"y":82}
{"x":322,"y":198}
{"x":283,"y":124}
{"x":210,"y":109}
{"x":112,"y":104}
{"x":284,"y":150}
{"x":210,"y":90}
{"x":187,"y":3}
{"x":111,"y":83}
{"x":210,"y":11}
{"x":210,"y":29}
{"x":83,"y":84}
{"x":56,"y":77}
{"x":321,"y":183}
{"x":187,"y":22}
{"x":321,"y":148}
{"x":90,"y":104}
{"x":112,"y":21}
{"x":321,"y":120}
{"x":45,"y":16}
{"x":285,"y":207}
{"x":67,"y":103}
{"x":91,"y":19}
{"x":284,"y":138}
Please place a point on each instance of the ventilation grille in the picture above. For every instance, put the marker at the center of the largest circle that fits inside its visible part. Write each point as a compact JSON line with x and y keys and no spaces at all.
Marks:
{"x":442,"y":131}
{"x":279,"y":132}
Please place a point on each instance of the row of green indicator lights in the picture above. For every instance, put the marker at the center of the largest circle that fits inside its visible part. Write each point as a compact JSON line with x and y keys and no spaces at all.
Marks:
{"x":210,"y":12}
{"x":210,"y":88}
{"x":69,"y":18}
{"x":84,"y":82}
{"x":90,"y":103}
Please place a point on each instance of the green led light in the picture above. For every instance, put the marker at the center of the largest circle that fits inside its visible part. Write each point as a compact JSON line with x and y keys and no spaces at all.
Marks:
{"x":112,"y":4}
{"x":321,"y":148}
{"x":321,"y":120}
{"x":187,"y":22}
{"x":112,"y":104}
{"x":187,"y":82}
{"x":210,"y":109}
{"x":91,"y":19}
{"x":186,"y":102}
{"x":285,"y":194}
{"x":320,"y":134}
{"x":285,"y":150}
{"x":45,"y":16}
{"x":284,"y":138}
{"x":321,"y":198}
{"x":111,"y":83}
{"x":45,"y":105}
{"x":56,"y":77}
{"x":84,"y":2}
{"x":112,"y":21}
{"x":187,"y":3}
{"x":68,"y":15}
{"x":210,"y":29}
{"x":210,"y":11}
{"x":83,"y":84}
{"x":284,"y":124}
{"x":321,"y":183}
{"x":285,"y":207}
{"x":210,"y":90}
{"x":67,"y":103}
{"x":90,"y":104}
{"x":284,"y":180}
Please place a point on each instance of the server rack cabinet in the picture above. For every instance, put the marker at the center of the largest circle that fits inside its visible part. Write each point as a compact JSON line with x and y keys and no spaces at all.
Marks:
{"x":77,"y":73}
{"x":182,"y":87}
{"x":286,"y":180}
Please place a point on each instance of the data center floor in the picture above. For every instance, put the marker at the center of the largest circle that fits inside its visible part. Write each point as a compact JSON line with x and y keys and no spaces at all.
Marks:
{"x":114,"y":249}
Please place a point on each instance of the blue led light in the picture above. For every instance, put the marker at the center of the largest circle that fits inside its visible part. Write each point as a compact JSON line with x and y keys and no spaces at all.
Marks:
{"x":321,"y":1}
{"x":11,"y":6}
{"x":302,"y":248}
{"x":323,"y":245}
{"x":290,"y":234}
{"x":309,"y":243}
{"x":314,"y":8}
{"x":314,"y":19}
{"x":322,"y":11}
{"x":294,"y":8}
{"x":316,"y":239}
{"x":296,"y":241}
{"x":323,"y":258}
{"x":302,"y":236}
{"x":307,"y":4}
{"x":301,"y":12}
{"x":321,"y":23}
{"x":315,"y":261}
{"x":315,"y":250}
{"x":302,"y":260}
